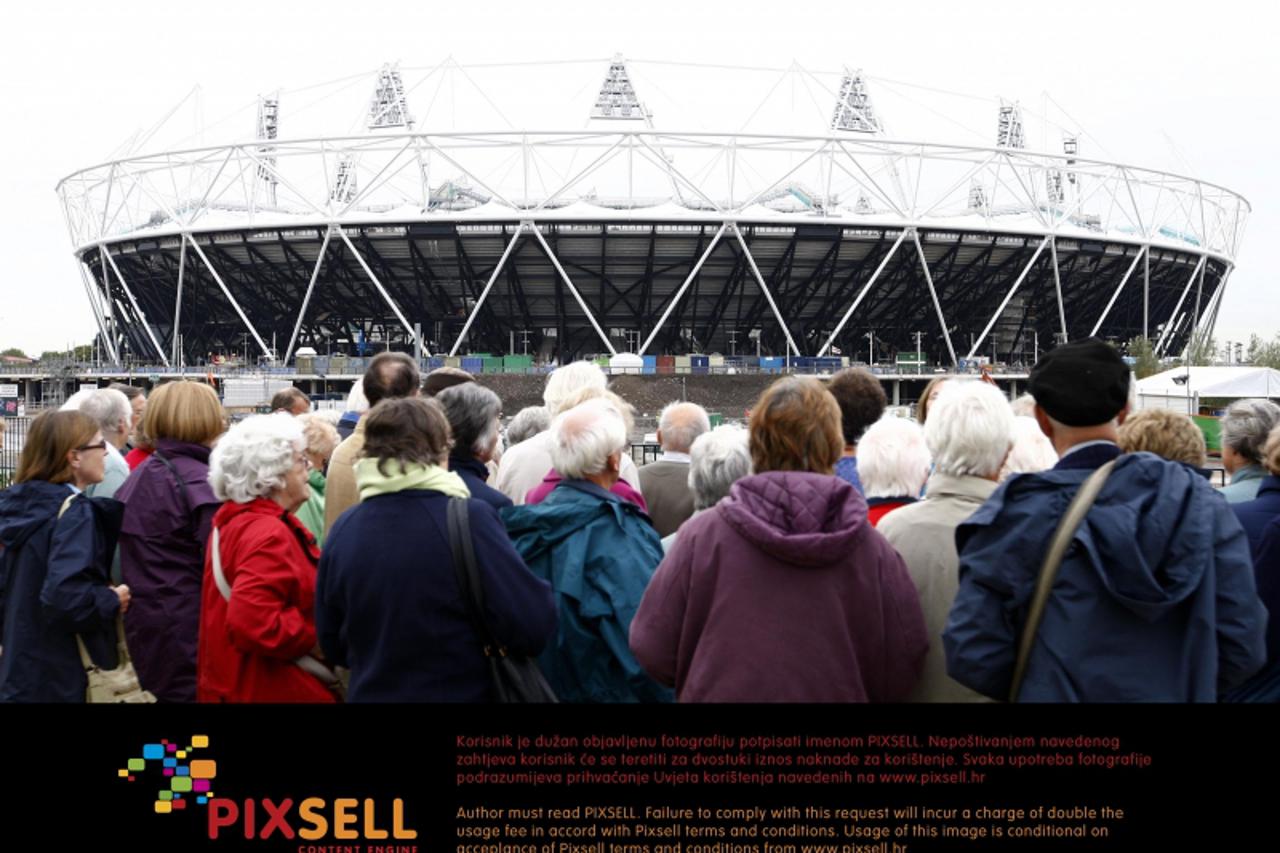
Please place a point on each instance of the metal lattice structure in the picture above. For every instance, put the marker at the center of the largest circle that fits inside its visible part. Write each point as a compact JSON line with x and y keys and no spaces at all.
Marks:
{"x":577,"y":242}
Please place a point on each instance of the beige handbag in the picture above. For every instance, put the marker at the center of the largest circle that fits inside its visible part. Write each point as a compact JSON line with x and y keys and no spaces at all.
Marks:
{"x":111,"y":685}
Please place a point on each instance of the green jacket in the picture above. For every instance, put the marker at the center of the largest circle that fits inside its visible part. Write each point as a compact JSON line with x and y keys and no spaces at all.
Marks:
{"x":311,"y":513}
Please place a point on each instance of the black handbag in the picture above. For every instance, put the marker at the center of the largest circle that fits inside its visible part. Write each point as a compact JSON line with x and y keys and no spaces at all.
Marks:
{"x":516,"y":678}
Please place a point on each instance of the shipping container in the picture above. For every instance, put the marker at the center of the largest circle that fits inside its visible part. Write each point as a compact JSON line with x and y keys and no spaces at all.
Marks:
{"x":666,"y":361}
{"x":453,"y":361}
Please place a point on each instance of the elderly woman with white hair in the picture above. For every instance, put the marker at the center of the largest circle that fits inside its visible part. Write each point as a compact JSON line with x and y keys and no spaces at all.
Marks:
{"x":893,"y":463}
{"x":257,"y":619}
{"x":717,"y":460}
{"x":969,"y":432}
{"x":524,"y":466}
{"x":598,"y":551}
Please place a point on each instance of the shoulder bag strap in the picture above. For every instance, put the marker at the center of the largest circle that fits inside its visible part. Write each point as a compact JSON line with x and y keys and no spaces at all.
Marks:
{"x":1062,"y":537}
{"x":182,"y":485}
{"x":85,"y":660}
{"x":307,"y":663}
{"x":464,"y":568}
{"x":215,"y":556}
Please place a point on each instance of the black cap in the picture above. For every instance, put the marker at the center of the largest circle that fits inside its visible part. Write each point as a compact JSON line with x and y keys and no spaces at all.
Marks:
{"x":1083,"y":383}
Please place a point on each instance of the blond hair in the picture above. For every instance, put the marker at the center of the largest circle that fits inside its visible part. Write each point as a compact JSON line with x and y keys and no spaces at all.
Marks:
{"x":1171,"y":435}
{"x":184,"y":411}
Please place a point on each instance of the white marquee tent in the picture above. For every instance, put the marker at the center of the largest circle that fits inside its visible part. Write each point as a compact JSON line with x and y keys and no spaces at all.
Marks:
{"x":1182,"y":388}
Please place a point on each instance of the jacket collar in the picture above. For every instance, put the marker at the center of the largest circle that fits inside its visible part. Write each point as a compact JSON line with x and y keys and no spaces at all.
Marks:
{"x":1089,"y":456}
{"x":1270,"y":483}
{"x":173,"y":449}
{"x":965,"y":487}
{"x":471,"y":465}
{"x":590,"y":488}
{"x":1248,"y":472}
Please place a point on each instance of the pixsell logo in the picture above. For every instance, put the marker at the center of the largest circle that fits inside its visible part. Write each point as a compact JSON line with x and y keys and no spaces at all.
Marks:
{"x":185,"y":779}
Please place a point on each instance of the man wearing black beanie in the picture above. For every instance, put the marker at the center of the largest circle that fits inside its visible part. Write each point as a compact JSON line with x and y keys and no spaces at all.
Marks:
{"x":1154,"y":598}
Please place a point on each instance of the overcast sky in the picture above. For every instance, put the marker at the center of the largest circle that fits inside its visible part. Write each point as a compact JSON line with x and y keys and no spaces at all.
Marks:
{"x":1181,"y":86}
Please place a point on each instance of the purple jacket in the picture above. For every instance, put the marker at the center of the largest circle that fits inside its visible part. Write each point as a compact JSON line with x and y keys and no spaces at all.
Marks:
{"x":162,"y":544}
{"x":783,"y":592}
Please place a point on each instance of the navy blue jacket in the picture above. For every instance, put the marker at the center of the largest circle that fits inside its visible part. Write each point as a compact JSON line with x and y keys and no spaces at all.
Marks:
{"x":388,"y":605}
{"x":1154,"y":601}
{"x":1256,"y":514}
{"x":474,"y":473}
{"x":54,"y":575}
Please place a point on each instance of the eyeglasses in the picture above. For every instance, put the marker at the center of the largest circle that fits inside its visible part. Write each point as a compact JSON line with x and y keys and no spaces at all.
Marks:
{"x":101,"y":445}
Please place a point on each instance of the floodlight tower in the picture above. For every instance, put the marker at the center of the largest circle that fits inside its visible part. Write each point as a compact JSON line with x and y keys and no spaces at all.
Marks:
{"x":853,"y":111}
{"x":1009,"y":131}
{"x":268,"y":128}
{"x":388,"y":107}
{"x":617,"y":101}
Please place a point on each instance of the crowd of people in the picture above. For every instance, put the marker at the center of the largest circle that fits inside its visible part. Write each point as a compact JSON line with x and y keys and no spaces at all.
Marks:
{"x":1061,"y":547}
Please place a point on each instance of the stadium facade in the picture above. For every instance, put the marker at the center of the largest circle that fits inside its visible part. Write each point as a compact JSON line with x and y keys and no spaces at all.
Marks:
{"x":626,"y":238}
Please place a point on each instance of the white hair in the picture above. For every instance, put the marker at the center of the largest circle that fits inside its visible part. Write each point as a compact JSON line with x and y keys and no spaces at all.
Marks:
{"x":1024,"y":406}
{"x":970,"y":430}
{"x":893,"y":460}
{"x":566,"y":381}
{"x":329,"y":416}
{"x":584,"y":437}
{"x":718,"y":459}
{"x":252,"y":458}
{"x":680,"y":424}
{"x":356,"y":400}
{"x":110,"y":410}
{"x":1032,"y":450}
{"x":74,"y":401}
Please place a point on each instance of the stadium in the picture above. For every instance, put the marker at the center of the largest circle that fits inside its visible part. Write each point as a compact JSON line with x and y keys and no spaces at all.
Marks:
{"x":543,"y":225}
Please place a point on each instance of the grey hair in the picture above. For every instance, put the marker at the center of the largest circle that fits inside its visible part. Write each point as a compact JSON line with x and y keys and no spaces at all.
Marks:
{"x":473,"y":411}
{"x":584,"y":437}
{"x":1246,"y":425}
{"x":566,"y":381}
{"x":719,"y":458}
{"x":527,"y":423}
{"x":679,"y":430}
{"x":108,"y":408}
{"x":252,"y":458}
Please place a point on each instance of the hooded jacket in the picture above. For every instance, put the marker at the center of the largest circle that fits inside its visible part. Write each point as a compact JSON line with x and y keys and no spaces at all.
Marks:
{"x":54,"y":585}
{"x":162,"y":544}
{"x":598,"y":552}
{"x":1154,"y":600}
{"x":783,"y":592}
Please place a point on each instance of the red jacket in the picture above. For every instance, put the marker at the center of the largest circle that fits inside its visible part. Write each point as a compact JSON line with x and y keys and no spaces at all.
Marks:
{"x":248,"y":644}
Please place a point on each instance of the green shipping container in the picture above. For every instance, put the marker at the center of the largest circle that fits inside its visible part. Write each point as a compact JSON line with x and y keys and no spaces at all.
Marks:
{"x":493,"y":365}
{"x":716,"y":419}
{"x":1212,"y":429}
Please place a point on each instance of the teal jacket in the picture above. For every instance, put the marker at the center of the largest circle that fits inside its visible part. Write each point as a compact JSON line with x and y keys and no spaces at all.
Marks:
{"x":598,"y":552}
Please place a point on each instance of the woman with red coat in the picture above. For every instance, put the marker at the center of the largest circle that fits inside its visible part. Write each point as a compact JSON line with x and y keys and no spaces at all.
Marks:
{"x":257,"y":620}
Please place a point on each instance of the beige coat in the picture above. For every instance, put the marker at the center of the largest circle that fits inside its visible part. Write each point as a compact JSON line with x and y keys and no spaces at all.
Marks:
{"x":925,"y":535}
{"x":340,"y":492}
